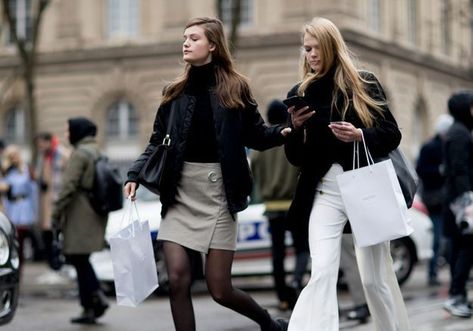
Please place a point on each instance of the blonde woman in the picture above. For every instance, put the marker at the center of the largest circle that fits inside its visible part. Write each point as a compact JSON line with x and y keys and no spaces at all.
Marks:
{"x":21,"y":194}
{"x":206,"y":180}
{"x":344,"y":104}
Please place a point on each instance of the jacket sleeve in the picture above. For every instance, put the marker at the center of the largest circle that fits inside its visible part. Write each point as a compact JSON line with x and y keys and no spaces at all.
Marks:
{"x":294,"y":146}
{"x":156,"y":137}
{"x":385,"y":135}
{"x":71,"y":181}
{"x":256,"y":134}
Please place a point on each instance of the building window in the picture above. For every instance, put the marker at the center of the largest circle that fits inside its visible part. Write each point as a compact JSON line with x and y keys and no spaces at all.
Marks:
{"x":21,"y":14}
{"x":445,"y":24}
{"x":122,"y":121}
{"x":123,"y":18}
{"x":14,"y":125}
{"x":226,"y":12}
{"x":471,"y":28}
{"x":412,"y":21}
{"x":420,"y":129}
{"x":374,"y":15}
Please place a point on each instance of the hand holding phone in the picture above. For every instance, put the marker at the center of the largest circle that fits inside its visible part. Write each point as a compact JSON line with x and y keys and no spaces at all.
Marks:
{"x":296,"y":101}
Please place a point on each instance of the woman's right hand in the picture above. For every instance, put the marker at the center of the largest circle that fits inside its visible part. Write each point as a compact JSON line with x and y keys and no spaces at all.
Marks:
{"x":299,"y":116}
{"x":130,"y":190}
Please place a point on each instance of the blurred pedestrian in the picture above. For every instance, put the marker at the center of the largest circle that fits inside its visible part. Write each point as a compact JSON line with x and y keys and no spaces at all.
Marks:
{"x":351,"y":274}
{"x":82,"y":228}
{"x":432,"y":190}
{"x":20,"y":199}
{"x":276,"y":180}
{"x":50,"y":165}
{"x":206,"y":179}
{"x":344,"y":105}
{"x":458,"y":156}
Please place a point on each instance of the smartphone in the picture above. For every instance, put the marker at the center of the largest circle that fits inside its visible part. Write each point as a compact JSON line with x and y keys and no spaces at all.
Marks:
{"x":297,"y":101}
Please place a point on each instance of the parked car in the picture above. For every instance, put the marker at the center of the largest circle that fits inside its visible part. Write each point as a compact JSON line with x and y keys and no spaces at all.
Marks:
{"x":9,"y":270}
{"x":253,"y":255}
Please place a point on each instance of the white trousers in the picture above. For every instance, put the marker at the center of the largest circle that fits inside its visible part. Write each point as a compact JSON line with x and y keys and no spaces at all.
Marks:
{"x":317,"y":306}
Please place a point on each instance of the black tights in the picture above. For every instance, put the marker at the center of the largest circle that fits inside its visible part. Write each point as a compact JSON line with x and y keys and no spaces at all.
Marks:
{"x":219,"y":283}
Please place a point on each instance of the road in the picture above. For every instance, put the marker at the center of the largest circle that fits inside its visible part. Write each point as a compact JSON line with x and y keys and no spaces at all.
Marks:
{"x":47,"y":302}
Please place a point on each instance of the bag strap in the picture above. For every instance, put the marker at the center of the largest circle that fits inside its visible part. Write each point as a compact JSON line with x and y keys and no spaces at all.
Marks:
{"x":356,"y":153}
{"x":167,"y":137}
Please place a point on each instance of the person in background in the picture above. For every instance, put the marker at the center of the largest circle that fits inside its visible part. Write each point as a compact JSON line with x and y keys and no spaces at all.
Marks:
{"x":206,"y":179}
{"x":431,"y":173}
{"x":50,"y":165}
{"x":345,"y":105}
{"x":458,"y":159}
{"x":276,"y":181}
{"x":20,"y":198}
{"x":82,"y":227}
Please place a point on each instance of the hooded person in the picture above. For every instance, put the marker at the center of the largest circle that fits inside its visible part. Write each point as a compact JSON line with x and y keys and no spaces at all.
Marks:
{"x":83,"y":229}
{"x":430,"y":170}
{"x":458,"y":161}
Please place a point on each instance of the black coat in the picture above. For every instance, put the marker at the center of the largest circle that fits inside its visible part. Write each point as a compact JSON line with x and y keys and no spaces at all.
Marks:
{"x":321,"y":148}
{"x":458,"y":157}
{"x":428,"y":168}
{"x":235,"y":129}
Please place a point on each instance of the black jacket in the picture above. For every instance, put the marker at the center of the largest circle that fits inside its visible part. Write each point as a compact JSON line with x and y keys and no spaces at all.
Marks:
{"x":235,"y":130}
{"x":458,"y":157}
{"x":321,"y":148}
{"x":428,"y":168}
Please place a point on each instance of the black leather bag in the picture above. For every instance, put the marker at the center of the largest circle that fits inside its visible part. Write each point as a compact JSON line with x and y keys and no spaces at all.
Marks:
{"x":151,"y":174}
{"x":406,"y":175}
{"x":56,"y":259}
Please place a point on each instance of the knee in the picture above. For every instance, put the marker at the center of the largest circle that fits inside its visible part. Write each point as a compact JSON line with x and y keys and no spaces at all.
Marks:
{"x":374,"y":285}
{"x":179,"y":281}
{"x":219,"y":293}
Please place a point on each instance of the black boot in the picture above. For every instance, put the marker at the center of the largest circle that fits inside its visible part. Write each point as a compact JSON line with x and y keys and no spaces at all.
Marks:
{"x":360,"y":313}
{"x":99,"y":303}
{"x":86,"y":317}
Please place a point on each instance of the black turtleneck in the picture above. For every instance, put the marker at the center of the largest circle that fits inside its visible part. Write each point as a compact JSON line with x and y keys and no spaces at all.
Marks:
{"x":201,"y":144}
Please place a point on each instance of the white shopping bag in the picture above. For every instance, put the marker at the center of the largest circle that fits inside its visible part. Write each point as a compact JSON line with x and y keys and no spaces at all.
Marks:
{"x":134,"y":266}
{"x":374,"y":202}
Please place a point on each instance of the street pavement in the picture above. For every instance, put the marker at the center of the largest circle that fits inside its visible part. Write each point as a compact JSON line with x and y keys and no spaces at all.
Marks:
{"x":48,"y":299}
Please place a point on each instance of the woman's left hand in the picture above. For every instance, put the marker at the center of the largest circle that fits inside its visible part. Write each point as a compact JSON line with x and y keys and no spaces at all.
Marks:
{"x":345,"y":131}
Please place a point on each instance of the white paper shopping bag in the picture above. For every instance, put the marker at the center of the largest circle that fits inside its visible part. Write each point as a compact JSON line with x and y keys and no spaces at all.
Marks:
{"x":374,"y":203}
{"x":134,"y":266}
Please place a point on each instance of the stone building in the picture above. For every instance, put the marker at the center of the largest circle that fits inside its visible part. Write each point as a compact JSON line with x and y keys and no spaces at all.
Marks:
{"x":109,"y":59}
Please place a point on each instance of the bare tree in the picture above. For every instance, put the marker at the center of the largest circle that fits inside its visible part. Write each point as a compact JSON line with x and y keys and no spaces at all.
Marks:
{"x":234,"y":23}
{"x":26,"y":45}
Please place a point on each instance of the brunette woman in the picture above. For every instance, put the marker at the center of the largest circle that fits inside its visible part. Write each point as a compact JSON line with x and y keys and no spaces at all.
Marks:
{"x":206,"y":179}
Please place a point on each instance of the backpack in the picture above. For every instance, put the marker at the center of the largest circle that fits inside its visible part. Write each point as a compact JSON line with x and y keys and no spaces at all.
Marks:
{"x":106,"y":193}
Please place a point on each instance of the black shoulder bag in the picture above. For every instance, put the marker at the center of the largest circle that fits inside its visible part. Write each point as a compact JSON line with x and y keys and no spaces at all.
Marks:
{"x":151,"y":173}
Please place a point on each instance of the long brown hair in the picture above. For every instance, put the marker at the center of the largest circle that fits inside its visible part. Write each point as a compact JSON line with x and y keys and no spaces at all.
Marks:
{"x":334,"y":51}
{"x":232,"y":88}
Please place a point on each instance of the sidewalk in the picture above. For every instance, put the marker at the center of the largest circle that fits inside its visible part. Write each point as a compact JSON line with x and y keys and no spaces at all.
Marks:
{"x":40,"y":280}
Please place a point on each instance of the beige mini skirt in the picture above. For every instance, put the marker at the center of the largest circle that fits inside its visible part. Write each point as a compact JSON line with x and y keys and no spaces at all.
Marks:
{"x":200,"y":219}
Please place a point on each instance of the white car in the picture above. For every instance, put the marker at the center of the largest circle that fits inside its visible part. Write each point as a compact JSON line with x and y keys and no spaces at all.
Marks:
{"x":253,"y":256}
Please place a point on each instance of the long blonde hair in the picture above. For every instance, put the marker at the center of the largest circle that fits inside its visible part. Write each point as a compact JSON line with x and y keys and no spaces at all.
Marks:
{"x":232,"y":88}
{"x":12,"y":158}
{"x":347,"y":79}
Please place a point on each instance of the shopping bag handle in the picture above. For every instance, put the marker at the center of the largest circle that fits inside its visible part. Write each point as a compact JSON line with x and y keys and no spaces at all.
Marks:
{"x":356,"y":153}
{"x":128,"y":214}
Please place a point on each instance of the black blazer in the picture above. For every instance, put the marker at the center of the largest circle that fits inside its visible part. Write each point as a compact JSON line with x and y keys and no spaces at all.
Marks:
{"x":321,"y":148}
{"x":235,"y":130}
